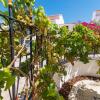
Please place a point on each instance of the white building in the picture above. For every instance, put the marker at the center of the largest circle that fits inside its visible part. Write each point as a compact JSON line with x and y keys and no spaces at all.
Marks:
{"x":96,"y":15}
{"x":69,"y":25}
{"x":57,"y":19}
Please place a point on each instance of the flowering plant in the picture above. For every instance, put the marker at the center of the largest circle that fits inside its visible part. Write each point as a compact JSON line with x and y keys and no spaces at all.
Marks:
{"x":92,"y":26}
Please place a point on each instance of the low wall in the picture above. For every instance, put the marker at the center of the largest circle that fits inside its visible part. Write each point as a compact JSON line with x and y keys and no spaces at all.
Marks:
{"x":79,"y":69}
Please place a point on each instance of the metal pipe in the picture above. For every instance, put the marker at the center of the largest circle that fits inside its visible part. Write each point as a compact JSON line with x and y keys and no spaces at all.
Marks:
{"x":10,"y":94}
{"x":11,"y":42}
{"x":31,"y":56}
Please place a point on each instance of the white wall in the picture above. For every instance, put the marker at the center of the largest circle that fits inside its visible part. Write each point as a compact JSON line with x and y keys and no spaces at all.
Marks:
{"x":96,"y":15}
{"x":79,"y":68}
{"x":70,"y":25}
{"x":59,"y":20}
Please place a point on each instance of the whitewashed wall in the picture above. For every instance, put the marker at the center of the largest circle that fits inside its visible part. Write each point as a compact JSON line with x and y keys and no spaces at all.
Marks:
{"x":79,"y":68}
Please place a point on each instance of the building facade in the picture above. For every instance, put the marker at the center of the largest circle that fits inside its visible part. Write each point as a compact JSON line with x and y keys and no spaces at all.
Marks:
{"x":57,"y":19}
{"x":96,"y":15}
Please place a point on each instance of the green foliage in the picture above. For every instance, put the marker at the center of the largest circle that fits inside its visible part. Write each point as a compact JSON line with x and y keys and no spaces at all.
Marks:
{"x":4,"y":2}
{"x":51,"y":44}
{"x":6,"y":77}
{"x":46,"y":86}
{"x":25,"y":66}
{"x":84,"y":40}
{"x":4,"y":12}
{"x":41,"y":20}
{"x":76,"y":44}
{"x":6,"y":80}
{"x":97,"y":22}
{"x":98,"y":72}
{"x":98,"y":63}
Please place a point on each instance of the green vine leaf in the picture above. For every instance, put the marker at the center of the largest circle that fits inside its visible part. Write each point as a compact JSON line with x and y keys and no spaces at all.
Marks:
{"x":4,"y":2}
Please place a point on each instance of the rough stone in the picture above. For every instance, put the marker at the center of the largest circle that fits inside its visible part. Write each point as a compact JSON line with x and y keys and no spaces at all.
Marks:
{"x":85,"y":90}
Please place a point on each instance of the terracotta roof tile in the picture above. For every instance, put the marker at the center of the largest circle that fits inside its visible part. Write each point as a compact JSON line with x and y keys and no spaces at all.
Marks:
{"x":97,"y":10}
{"x":53,"y":17}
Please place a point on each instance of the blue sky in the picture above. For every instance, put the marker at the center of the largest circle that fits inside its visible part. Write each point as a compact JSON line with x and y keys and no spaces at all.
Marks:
{"x":72,"y":10}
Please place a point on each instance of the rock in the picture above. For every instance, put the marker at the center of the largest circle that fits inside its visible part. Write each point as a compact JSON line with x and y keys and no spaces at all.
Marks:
{"x":85,"y":90}
{"x":69,"y":88}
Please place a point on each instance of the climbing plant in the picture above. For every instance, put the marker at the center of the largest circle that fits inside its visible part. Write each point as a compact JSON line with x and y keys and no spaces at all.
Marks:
{"x":51,"y":44}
